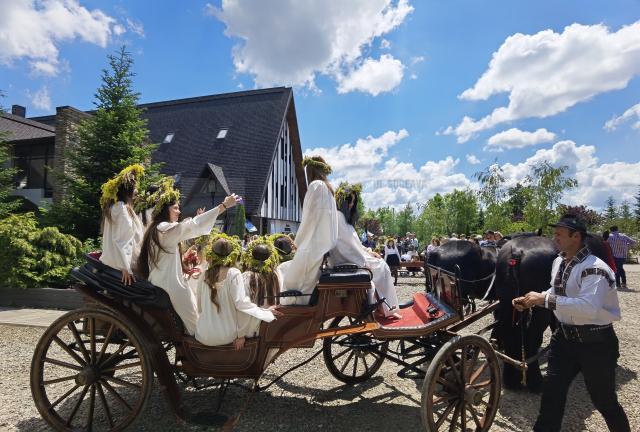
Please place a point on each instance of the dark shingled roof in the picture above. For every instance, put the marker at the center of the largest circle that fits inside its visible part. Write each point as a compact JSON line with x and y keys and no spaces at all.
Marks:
{"x":19,"y":128}
{"x":245,"y":156}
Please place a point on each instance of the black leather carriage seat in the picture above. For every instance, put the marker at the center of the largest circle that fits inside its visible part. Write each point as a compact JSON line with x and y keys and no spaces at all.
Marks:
{"x":330,"y":276}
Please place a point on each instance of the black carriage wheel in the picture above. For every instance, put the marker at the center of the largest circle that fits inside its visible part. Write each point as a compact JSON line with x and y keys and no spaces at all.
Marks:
{"x":90,"y":372}
{"x":461,"y":390}
{"x":352,"y":358}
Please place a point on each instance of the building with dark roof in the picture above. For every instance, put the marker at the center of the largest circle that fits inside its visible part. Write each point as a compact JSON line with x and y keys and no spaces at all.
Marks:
{"x":244,"y":142}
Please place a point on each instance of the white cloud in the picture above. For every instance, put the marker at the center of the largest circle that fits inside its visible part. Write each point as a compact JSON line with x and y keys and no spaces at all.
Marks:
{"x":385,"y":44}
{"x":417,"y":59}
{"x":373,"y":76}
{"x":472,"y":159}
{"x":548,"y":72}
{"x":631,"y":113}
{"x":515,"y":138}
{"x":595,"y":181}
{"x":318,"y":38}
{"x":41,"y":99}
{"x":136,"y":27}
{"x":33,"y":30}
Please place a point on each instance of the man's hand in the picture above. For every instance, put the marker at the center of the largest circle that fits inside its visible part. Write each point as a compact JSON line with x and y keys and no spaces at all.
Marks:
{"x":231,"y":201}
{"x":529,"y":300}
{"x":127,"y":278}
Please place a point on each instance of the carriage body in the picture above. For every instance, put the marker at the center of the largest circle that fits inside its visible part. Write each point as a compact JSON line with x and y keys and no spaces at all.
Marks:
{"x":126,"y":328}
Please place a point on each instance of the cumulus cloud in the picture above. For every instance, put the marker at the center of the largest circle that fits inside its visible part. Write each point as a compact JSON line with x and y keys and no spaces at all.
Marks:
{"x":373,"y":76}
{"x":472,"y":159}
{"x":546,"y":73}
{"x":33,"y":30}
{"x":41,"y":99}
{"x":318,"y":38}
{"x":595,"y":181}
{"x":631,"y":113}
{"x":515,"y":138}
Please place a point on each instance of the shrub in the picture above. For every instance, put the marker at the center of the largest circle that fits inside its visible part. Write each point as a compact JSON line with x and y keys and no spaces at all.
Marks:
{"x":31,"y":256}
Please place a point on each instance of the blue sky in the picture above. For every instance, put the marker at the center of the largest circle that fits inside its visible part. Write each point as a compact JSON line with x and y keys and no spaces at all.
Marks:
{"x":381,"y":86}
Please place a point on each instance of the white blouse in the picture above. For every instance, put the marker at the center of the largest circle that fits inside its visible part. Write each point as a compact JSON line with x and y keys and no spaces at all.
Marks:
{"x":167,"y":273}
{"x":237,"y":315}
{"x":121,"y":238}
{"x":317,"y":235}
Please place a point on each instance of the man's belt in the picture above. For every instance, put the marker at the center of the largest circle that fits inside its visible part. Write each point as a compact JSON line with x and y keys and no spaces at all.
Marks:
{"x":587,"y":333}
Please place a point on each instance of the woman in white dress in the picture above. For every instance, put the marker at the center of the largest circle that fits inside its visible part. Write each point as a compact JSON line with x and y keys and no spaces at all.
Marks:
{"x":318,"y":231}
{"x":261,"y":279}
{"x":122,"y":230}
{"x":349,"y":249}
{"x":226,"y":312}
{"x":161,"y":257}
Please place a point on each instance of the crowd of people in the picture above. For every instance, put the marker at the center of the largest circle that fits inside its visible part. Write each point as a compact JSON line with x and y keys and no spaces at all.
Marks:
{"x":221,"y":286}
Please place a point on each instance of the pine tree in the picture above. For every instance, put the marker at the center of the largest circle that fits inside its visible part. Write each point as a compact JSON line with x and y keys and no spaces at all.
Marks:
{"x":113,"y":138}
{"x":238,"y":227}
{"x":636,"y":209}
{"x":8,"y":203}
{"x":610,"y":212}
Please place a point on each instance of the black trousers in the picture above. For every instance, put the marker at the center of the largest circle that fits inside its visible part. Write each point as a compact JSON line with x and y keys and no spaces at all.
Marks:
{"x":620,"y":273}
{"x":597,"y":362}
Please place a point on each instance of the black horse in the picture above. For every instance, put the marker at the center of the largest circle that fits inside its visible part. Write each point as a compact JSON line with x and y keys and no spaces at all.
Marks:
{"x":522,"y":264}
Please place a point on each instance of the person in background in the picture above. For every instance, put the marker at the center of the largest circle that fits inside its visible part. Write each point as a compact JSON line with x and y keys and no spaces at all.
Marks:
{"x":369,"y":242}
{"x":620,"y":244}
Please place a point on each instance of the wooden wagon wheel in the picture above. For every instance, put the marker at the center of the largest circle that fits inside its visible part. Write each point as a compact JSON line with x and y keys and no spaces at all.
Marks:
{"x":461,"y":390}
{"x":352,"y":358}
{"x":90,"y":371}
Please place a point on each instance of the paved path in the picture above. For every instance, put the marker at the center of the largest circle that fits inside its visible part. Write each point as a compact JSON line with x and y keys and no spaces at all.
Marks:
{"x":29,"y":317}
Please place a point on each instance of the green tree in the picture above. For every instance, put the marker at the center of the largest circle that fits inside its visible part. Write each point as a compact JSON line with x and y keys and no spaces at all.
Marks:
{"x":113,"y":138}
{"x":491,"y":194}
{"x":405,"y":220}
{"x":636,"y":210}
{"x":8,"y":203}
{"x":610,"y":212}
{"x":239,"y":221}
{"x":431,"y":220}
{"x":547,"y":184}
{"x":387,"y":218}
{"x":461,"y":211}
{"x":589,"y":216}
{"x":518,"y":197}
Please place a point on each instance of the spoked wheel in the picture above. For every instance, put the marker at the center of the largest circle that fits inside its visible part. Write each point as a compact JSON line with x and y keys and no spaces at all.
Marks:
{"x":352,"y":358}
{"x":461,"y":390}
{"x":90,"y":372}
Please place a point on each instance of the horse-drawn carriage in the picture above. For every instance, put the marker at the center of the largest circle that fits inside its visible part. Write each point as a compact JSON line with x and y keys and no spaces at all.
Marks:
{"x":94,"y":367}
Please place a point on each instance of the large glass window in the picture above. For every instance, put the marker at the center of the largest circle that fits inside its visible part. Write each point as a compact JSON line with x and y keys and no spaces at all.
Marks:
{"x":34,"y":163}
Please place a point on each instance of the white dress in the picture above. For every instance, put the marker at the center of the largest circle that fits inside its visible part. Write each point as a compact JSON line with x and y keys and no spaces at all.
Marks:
{"x":348,"y":249}
{"x":167,"y":273}
{"x":237,"y":317}
{"x":121,"y":238}
{"x":317,"y":235}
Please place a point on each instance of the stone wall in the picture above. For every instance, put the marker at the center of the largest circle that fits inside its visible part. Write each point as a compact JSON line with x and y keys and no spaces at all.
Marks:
{"x":67,"y":120}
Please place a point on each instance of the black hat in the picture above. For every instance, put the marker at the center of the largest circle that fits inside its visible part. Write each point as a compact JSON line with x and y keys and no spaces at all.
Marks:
{"x":571,"y":222}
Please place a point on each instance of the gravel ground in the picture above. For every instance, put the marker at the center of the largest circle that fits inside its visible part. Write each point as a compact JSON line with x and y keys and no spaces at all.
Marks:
{"x":311,"y":399}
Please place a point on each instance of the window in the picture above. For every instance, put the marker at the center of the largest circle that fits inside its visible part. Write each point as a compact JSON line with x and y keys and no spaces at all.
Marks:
{"x":167,"y":139}
{"x":222,"y":133}
{"x":32,"y":162}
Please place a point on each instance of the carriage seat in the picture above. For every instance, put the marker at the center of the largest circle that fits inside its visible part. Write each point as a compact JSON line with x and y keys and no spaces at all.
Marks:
{"x":331,"y":276}
{"x":222,"y":360}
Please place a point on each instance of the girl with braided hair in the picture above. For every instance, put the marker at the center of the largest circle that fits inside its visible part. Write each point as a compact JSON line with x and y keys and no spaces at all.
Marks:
{"x":226,"y":313}
{"x":260,"y":276}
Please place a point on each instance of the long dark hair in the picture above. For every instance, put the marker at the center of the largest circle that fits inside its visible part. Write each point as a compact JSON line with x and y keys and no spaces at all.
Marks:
{"x":126,"y":193}
{"x":350,"y":214}
{"x":314,"y":173}
{"x":151,"y":246}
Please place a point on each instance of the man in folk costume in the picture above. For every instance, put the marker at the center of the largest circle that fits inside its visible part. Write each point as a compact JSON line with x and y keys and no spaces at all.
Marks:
{"x":348,"y":249}
{"x":122,"y":230}
{"x":318,"y":231}
{"x":584,"y":299}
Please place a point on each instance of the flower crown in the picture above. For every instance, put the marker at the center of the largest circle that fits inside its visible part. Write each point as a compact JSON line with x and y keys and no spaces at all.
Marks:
{"x":345,"y":189}
{"x":128,"y":176}
{"x":230,"y":260}
{"x":266,"y":266}
{"x":165,"y":194}
{"x":310,"y":161}
{"x":282,"y":257}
